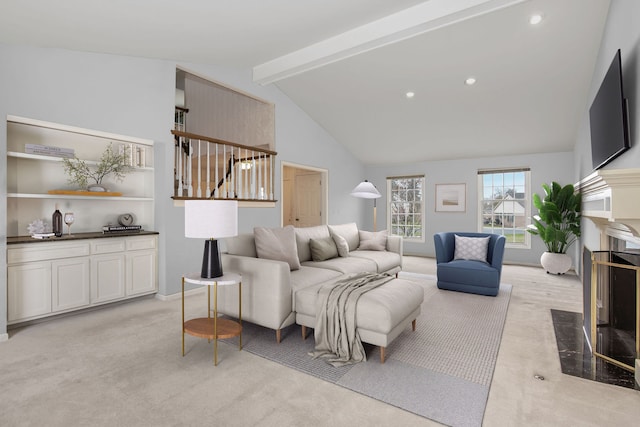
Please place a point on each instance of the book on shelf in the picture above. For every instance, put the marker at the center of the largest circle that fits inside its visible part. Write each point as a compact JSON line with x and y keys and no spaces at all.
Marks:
{"x":121,"y":228}
{"x":45,"y":150}
{"x":135,"y":155}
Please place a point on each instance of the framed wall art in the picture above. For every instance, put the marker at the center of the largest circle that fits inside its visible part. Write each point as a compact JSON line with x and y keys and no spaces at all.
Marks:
{"x":451,"y":197}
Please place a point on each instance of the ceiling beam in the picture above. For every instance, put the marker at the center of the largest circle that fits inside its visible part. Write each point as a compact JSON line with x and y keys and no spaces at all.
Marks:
{"x":402,"y":25}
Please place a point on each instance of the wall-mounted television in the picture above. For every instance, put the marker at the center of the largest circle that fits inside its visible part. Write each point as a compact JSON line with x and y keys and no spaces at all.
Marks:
{"x":609,"y":117}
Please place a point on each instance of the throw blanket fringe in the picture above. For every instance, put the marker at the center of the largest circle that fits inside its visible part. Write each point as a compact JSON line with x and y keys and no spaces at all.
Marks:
{"x":336,"y":336}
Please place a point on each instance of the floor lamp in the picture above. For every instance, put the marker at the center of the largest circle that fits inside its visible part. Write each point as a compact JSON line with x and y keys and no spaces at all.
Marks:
{"x":366,"y":190}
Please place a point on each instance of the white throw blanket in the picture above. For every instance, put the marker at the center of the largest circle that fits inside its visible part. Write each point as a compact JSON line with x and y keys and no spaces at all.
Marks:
{"x":336,"y":336}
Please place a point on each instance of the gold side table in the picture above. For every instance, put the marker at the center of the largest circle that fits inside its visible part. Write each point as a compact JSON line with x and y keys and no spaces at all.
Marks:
{"x":213,"y":328}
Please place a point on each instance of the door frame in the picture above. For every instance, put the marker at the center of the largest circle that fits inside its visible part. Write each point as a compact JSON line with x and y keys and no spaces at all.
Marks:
{"x":325,"y":188}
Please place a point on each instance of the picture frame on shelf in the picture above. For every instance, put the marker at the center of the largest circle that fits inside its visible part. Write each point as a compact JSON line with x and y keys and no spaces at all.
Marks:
{"x":451,"y":197}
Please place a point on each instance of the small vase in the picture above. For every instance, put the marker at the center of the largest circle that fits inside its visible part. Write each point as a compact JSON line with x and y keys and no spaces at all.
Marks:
{"x":96,"y":188}
{"x":555,"y":263}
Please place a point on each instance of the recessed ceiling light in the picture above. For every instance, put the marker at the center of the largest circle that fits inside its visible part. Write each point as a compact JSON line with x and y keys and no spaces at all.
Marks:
{"x":535,"y":19}
{"x":410,"y":95}
{"x":470,"y":81}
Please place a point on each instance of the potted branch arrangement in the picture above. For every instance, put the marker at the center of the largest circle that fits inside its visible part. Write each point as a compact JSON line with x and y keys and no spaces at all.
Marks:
{"x":84,"y":176}
{"x":557,"y":224}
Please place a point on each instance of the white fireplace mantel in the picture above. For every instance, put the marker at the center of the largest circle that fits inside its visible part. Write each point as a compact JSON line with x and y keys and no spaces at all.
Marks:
{"x":612,"y":196}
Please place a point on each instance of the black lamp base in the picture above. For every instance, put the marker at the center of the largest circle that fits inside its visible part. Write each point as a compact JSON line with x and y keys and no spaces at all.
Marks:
{"x":211,"y":264}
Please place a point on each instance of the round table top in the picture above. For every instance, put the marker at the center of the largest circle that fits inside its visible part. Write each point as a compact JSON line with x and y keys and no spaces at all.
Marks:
{"x":225,"y":279}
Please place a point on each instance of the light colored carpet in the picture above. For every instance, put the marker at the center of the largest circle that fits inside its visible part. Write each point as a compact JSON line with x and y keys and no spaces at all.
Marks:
{"x":442,"y":371}
{"x":122,"y":365}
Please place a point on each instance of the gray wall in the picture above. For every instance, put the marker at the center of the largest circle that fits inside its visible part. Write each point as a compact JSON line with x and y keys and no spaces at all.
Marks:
{"x":544,"y":169}
{"x":622,"y":31}
{"x":135,"y":96}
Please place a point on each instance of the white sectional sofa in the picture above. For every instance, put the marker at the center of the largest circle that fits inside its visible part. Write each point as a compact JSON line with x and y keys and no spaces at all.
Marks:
{"x":277,"y":263}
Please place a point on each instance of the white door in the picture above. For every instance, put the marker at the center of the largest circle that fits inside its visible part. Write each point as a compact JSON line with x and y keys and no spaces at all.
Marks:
{"x":308,"y":200}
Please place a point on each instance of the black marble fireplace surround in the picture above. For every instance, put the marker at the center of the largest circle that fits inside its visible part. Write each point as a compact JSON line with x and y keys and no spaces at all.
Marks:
{"x":576,"y":358}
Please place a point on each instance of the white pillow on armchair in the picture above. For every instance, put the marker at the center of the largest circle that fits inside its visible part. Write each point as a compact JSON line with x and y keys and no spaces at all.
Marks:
{"x":471,"y":248}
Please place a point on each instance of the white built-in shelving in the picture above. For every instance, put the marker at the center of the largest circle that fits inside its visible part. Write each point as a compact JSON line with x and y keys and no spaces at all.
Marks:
{"x":31,"y":176}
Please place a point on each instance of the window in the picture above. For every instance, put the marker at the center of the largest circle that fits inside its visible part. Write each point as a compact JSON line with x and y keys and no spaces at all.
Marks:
{"x":505,"y":204}
{"x":406,"y":207}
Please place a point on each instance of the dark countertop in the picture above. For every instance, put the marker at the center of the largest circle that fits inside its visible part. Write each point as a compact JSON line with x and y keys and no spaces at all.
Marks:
{"x":76,"y":236}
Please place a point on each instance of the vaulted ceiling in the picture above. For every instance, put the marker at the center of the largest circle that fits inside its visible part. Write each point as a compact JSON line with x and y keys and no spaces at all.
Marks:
{"x":350,"y":63}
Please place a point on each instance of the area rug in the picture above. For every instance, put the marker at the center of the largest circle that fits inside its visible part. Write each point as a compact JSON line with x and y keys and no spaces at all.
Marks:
{"x":442,"y":371}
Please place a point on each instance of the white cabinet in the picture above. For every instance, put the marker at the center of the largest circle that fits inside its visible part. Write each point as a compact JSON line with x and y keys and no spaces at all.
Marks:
{"x":141,"y":272}
{"x":107,"y":270}
{"x":141,"y":266}
{"x":69,"y":284}
{"x":28,"y":291}
{"x":107,"y":277}
{"x":51,"y":277}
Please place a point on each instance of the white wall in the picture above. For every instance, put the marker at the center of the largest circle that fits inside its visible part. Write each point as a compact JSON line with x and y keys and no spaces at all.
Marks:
{"x":545,"y":168}
{"x":622,"y":31}
{"x":135,"y":96}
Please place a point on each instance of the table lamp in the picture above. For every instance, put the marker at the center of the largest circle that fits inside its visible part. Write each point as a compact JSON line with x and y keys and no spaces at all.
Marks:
{"x":211,"y":219}
{"x":366,"y":190}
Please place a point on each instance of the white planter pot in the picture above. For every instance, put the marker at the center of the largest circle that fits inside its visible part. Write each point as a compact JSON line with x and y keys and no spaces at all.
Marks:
{"x":555,"y":263}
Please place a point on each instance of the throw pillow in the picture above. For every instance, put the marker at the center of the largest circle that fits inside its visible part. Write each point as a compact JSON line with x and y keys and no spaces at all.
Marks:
{"x":342,"y":245}
{"x":471,"y":248}
{"x":242,"y":244}
{"x":323,"y":249}
{"x":373,"y":241}
{"x":278,"y":244}
{"x":349,"y":232}
{"x":304,"y":235}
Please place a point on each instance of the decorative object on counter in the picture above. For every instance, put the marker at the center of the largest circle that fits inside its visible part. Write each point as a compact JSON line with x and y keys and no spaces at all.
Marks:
{"x":69,"y":217}
{"x":56,"y":222}
{"x":42,"y":235}
{"x":126,"y":219}
{"x":121,"y":228}
{"x":38,"y":226}
{"x":211,"y":219}
{"x":111,"y":162}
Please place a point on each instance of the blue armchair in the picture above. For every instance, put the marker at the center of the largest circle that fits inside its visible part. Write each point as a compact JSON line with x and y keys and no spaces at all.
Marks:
{"x":465,"y":275}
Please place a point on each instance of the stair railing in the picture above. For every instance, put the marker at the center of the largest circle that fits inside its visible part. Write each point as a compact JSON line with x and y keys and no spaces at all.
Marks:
{"x":210,"y":168}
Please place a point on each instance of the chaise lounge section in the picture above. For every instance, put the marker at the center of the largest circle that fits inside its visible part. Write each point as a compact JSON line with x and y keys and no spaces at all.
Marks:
{"x":381,"y":314}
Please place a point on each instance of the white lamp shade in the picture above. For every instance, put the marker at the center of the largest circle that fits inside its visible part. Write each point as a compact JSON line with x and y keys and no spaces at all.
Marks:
{"x":366,"y":190}
{"x":210,"y":219}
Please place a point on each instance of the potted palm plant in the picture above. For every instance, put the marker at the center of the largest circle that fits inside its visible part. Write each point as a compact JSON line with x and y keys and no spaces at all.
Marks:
{"x":557,"y":224}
